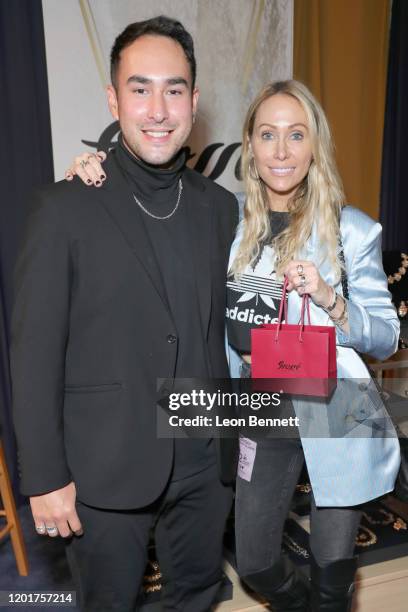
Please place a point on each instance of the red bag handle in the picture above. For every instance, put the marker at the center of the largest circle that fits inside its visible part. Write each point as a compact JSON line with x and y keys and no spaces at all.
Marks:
{"x":304,"y":308}
{"x":283,"y":309}
{"x":283,"y":306}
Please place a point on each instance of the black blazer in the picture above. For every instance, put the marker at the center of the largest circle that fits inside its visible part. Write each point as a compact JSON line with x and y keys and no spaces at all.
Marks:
{"x":92,"y":332}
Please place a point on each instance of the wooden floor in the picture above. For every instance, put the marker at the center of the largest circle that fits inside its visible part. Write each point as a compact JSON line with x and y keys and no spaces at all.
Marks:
{"x":379,"y":588}
{"x":382,"y":587}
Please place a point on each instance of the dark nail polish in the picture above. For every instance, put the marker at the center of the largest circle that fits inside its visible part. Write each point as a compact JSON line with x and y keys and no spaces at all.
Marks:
{"x":88,"y":182}
{"x":103,"y":177}
{"x":97,"y":183}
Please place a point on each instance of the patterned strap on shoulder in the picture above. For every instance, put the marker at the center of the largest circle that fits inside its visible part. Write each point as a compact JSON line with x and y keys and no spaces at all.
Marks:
{"x":344,"y":281}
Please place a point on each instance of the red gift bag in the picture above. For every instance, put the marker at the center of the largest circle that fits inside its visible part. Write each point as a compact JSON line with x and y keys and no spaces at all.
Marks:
{"x":297,"y":359}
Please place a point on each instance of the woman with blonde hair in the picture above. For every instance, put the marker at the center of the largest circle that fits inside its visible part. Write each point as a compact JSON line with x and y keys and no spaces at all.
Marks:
{"x":295,"y":225}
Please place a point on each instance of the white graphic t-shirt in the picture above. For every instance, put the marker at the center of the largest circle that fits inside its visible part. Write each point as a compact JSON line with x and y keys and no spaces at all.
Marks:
{"x":254,"y":298}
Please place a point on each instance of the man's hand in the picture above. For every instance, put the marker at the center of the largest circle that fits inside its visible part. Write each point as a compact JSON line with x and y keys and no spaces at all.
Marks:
{"x":54,"y":513}
{"x":88,"y":167}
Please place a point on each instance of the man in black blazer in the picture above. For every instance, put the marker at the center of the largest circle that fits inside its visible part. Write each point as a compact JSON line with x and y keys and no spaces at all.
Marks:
{"x":115,"y":288}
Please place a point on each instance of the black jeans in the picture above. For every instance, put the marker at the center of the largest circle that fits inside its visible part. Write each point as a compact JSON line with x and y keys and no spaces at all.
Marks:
{"x":262,"y":506}
{"x":109,"y":560}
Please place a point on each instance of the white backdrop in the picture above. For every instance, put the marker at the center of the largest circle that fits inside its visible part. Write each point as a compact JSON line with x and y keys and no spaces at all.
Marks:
{"x":240,"y":45}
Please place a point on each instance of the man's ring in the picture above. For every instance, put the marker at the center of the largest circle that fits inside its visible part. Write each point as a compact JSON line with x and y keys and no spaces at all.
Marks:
{"x":302,"y":280}
{"x":40,"y":529}
{"x":52,"y":530}
{"x":84,"y":163}
{"x":300,"y":269}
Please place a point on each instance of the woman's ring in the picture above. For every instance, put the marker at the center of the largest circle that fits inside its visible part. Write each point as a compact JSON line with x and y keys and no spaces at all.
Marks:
{"x":300,"y":269}
{"x":52,"y":531}
{"x":302,"y":280}
{"x":40,"y":529}
{"x":84,"y":163}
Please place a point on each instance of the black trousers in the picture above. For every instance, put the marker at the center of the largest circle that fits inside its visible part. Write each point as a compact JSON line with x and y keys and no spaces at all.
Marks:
{"x":262,"y":506}
{"x":109,"y":560}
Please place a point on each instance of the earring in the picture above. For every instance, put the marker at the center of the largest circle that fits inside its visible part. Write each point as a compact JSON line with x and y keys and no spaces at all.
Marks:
{"x":253,"y":170}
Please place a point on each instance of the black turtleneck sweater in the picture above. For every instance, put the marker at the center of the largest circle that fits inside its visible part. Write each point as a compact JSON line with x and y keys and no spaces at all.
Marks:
{"x":157,"y":190}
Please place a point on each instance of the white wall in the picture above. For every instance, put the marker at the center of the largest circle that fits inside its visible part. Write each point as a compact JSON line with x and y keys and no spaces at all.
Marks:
{"x":240,"y":45}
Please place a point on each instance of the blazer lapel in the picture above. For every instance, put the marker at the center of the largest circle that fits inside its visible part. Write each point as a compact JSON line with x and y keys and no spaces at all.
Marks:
{"x":199,"y":217}
{"x":117,"y":199}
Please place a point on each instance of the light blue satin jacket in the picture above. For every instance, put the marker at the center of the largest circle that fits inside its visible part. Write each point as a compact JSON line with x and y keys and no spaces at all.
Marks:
{"x":351,"y":449}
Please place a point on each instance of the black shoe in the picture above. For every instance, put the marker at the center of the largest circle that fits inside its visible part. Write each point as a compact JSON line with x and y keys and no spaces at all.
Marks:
{"x":333,"y":585}
{"x":281,"y":586}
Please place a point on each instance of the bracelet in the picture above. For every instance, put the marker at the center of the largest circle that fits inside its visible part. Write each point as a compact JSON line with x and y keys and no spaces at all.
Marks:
{"x":343,"y":317}
{"x":333,"y":304}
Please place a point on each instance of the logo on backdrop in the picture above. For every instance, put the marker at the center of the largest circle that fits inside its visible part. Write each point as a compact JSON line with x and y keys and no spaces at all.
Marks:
{"x":225,"y":152}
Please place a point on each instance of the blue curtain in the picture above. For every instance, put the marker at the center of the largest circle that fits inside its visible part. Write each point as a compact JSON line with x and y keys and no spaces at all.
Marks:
{"x":394,"y":208}
{"x":25,"y":161}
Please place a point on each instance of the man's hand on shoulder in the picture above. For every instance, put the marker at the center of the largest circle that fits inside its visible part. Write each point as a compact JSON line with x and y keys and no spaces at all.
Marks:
{"x":55,"y":514}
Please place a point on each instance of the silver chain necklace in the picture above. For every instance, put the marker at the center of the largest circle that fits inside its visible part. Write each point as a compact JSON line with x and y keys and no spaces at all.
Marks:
{"x":180,"y":190}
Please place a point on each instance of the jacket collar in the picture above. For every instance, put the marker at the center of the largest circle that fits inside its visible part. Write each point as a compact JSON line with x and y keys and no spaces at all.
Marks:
{"x":200,"y":222}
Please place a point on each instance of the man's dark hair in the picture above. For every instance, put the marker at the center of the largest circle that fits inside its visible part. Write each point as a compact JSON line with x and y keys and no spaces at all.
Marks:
{"x":157,"y":26}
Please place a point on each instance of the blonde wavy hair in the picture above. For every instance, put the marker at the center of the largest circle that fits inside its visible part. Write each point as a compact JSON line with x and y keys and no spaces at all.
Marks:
{"x":318,"y":199}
